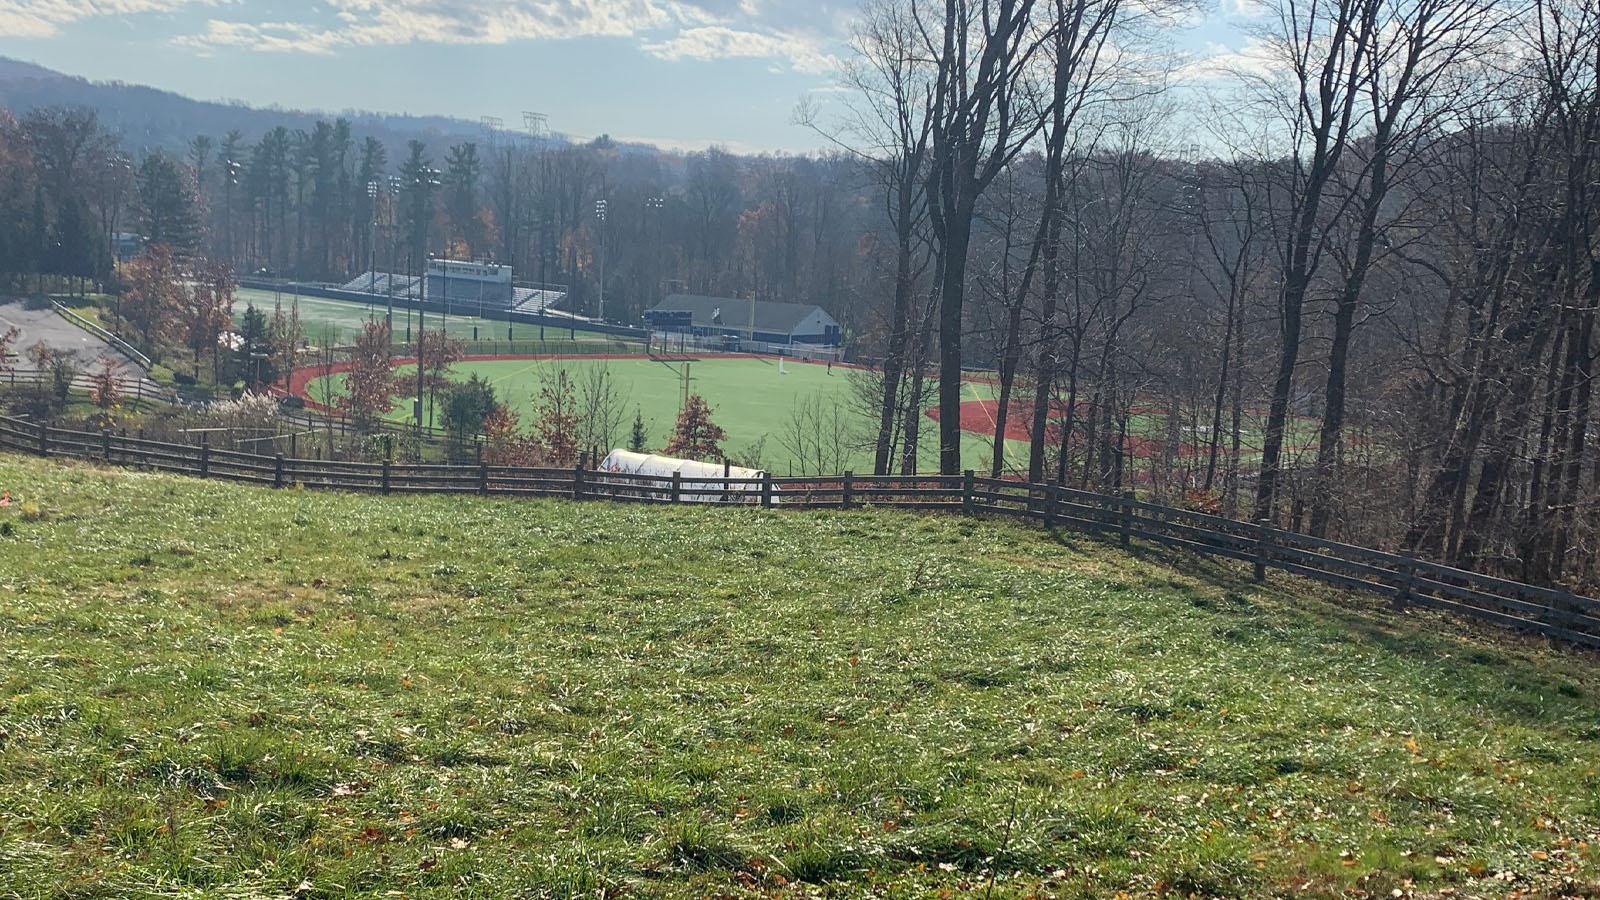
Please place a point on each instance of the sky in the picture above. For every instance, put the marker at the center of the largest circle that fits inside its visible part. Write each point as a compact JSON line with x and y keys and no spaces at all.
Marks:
{"x":676,"y":73}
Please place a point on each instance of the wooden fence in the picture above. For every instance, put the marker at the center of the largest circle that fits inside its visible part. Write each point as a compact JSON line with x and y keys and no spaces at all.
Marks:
{"x":137,"y":390}
{"x":1405,"y":580}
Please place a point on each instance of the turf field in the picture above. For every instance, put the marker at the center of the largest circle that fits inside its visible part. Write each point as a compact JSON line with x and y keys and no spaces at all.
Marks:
{"x":750,"y":399}
{"x":748,"y":396}
{"x":339,"y":321}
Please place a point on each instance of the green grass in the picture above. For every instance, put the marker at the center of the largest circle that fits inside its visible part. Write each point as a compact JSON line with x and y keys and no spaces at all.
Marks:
{"x":339,"y":321}
{"x":214,"y":690}
{"x":750,"y":400}
{"x":748,"y":397}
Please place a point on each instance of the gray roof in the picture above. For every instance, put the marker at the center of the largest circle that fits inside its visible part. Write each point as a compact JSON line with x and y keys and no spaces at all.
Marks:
{"x":778,"y":318}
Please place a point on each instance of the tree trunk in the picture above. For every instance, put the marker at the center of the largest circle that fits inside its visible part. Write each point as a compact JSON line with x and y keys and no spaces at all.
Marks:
{"x":952,"y":292}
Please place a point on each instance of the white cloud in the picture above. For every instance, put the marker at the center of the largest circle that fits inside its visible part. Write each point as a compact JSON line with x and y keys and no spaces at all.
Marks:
{"x":1255,"y":57}
{"x":44,"y":18}
{"x":667,"y":29}
{"x":379,"y":22}
{"x":712,"y":42}
{"x":1247,"y":9}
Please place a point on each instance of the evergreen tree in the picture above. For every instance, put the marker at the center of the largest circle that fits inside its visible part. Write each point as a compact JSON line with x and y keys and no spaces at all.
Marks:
{"x":466,"y":406}
{"x":167,"y":204}
{"x":253,"y":359}
{"x":462,"y":173}
{"x":638,"y":439}
{"x":419,"y":180}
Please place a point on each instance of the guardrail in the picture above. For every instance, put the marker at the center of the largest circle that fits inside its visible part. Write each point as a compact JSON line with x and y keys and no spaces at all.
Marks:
{"x":1405,"y":580}
{"x":120,"y":345}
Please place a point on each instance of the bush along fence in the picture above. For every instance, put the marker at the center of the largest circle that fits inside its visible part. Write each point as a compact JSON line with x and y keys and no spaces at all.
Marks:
{"x":1405,"y":580}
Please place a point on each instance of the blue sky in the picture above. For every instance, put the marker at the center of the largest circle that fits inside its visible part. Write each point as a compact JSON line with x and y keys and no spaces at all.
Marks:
{"x":679,"y":73}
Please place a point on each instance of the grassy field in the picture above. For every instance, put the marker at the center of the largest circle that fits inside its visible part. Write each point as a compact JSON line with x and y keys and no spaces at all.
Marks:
{"x":338,"y":321}
{"x":749,"y":397}
{"x":222,"y":691}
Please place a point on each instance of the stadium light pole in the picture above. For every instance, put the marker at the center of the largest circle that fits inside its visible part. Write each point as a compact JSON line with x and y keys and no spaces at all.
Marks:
{"x":428,"y":179}
{"x":653,"y":206}
{"x":372,"y":244}
{"x":600,"y":214}
{"x":395,"y":183}
{"x":372,"y":238}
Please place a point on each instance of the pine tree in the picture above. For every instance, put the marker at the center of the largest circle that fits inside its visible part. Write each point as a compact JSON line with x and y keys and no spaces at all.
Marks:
{"x":167,"y":203}
{"x":638,"y":440}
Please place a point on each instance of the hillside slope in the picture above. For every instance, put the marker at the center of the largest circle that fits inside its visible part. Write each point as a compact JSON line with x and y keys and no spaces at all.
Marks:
{"x":147,"y":117}
{"x":205,"y":687}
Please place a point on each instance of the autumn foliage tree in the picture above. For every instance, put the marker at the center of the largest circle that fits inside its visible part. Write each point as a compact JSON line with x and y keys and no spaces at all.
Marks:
{"x":370,"y":383}
{"x":105,"y":388}
{"x":555,"y":431}
{"x":153,"y":288}
{"x":8,"y":339}
{"x":202,"y":311}
{"x":504,"y":444}
{"x":695,"y":436}
{"x":437,"y":353}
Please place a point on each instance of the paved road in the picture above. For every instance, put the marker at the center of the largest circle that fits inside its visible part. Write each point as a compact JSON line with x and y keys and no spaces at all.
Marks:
{"x":57,"y":333}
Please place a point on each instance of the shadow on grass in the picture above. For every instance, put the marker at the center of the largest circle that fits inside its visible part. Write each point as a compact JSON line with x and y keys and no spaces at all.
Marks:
{"x":1502,"y":668}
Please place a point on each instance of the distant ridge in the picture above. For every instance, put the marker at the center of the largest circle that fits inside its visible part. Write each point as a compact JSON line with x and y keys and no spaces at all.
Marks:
{"x":149,"y":118}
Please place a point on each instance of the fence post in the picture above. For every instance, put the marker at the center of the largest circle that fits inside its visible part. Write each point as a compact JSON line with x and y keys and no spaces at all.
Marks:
{"x":105,"y":444}
{"x":727,"y":472}
{"x":124,"y":438}
{"x":577,"y":480}
{"x":1049,"y":506}
{"x":1263,"y":548}
{"x":766,"y":489}
{"x":205,"y":455}
{"x":849,"y":489}
{"x":277,"y":471}
{"x":1125,"y":520}
{"x":677,"y":487}
{"x":967,"y":500}
{"x":387,"y":465}
{"x":44,"y":439}
{"x":483,"y":478}
{"x":1408,"y":580}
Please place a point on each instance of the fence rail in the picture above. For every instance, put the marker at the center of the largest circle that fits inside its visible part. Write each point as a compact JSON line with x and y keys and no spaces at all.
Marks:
{"x":1403,"y":579}
{"x":141,"y":390}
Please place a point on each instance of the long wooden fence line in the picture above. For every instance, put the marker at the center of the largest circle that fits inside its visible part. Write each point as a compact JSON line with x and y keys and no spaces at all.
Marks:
{"x":141,"y":390}
{"x":1405,"y":580}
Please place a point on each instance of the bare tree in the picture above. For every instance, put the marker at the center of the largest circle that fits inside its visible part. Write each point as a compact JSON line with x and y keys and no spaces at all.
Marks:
{"x":983,"y":116}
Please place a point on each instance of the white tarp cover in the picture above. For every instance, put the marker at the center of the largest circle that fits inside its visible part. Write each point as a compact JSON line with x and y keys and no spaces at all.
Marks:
{"x":626,"y":462}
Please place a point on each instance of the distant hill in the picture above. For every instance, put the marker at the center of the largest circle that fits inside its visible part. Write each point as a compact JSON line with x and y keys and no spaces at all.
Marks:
{"x":151,"y":118}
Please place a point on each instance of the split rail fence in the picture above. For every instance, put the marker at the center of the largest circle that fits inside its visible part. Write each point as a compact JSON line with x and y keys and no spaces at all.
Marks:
{"x":1405,"y":580}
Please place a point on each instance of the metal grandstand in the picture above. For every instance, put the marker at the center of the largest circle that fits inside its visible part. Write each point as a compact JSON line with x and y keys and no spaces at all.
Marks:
{"x":526,"y":298}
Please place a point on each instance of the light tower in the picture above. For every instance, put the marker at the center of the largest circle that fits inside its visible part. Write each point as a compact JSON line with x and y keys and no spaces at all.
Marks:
{"x":600,"y":207}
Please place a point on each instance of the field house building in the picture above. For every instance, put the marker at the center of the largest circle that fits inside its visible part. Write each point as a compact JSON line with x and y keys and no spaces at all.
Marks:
{"x":755,"y":320}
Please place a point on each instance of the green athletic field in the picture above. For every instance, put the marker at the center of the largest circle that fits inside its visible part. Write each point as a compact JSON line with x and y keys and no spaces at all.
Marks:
{"x":339,"y":321}
{"x":751,"y":400}
{"x":748,"y":397}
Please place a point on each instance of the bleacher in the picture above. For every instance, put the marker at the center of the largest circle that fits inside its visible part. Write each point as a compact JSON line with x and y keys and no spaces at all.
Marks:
{"x":384,"y":283}
{"x":536,"y":300}
{"x":530,"y":300}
